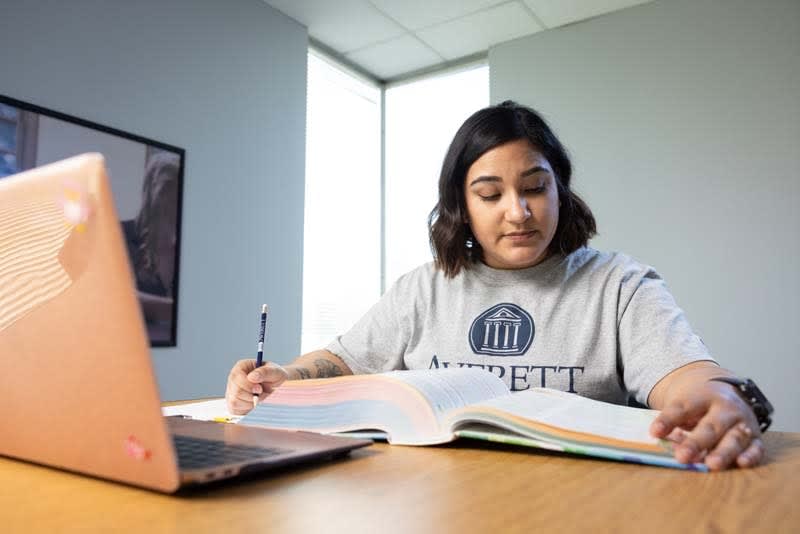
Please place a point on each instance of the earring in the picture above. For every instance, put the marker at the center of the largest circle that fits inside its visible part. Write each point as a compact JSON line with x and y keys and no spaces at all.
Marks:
{"x":469,"y":243}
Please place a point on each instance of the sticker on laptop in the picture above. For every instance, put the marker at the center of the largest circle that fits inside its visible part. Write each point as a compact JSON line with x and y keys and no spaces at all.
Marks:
{"x":75,"y":205}
{"x":135,"y":449}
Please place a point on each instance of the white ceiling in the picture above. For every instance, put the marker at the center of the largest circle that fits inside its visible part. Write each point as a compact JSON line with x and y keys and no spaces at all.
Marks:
{"x":391,"y":39}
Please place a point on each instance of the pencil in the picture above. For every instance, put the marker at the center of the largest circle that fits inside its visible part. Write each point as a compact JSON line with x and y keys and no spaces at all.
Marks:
{"x":260,"y":354}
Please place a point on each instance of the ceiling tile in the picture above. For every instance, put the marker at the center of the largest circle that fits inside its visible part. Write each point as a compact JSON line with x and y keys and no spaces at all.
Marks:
{"x":343,"y":25}
{"x":395,"y":57}
{"x":554,"y":13}
{"x":476,"y":33}
{"x":416,"y":14}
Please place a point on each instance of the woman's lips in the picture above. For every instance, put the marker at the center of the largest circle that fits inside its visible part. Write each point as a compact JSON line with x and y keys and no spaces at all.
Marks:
{"x":520,"y":236}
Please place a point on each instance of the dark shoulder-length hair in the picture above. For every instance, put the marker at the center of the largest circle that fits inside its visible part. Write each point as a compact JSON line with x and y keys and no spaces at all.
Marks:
{"x":452,"y":243}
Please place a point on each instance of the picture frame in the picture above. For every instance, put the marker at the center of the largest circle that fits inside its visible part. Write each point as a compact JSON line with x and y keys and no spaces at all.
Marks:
{"x":147,"y":183}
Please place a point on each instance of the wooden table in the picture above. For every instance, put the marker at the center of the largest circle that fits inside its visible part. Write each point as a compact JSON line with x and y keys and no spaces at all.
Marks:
{"x":467,"y":487}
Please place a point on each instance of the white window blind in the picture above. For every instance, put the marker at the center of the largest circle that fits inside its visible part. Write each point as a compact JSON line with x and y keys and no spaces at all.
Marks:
{"x":341,"y":251}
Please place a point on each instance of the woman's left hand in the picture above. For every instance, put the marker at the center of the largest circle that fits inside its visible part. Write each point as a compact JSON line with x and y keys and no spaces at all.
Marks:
{"x":710,"y":423}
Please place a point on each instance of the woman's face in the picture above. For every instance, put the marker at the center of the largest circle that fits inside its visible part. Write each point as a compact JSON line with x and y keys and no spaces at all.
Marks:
{"x":512,"y":204}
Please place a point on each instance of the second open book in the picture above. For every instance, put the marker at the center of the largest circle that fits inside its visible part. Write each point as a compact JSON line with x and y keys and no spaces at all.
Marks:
{"x":429,"y":407}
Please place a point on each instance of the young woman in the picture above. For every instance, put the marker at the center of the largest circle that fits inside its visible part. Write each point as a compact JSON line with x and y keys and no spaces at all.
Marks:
{"x":515,"y":290}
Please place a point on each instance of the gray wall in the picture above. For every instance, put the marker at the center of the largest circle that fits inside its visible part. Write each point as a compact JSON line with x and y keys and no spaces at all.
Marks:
{"x":683,"y":119}
{"x":226,"y":81}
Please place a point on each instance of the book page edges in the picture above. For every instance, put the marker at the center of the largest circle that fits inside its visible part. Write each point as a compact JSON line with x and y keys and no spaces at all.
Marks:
{"x":331,"y":391}
{"x":583,"y":450}
{"x":494,"y":417}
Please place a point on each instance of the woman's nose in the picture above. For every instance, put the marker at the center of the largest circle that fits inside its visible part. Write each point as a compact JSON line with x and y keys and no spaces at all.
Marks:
{"x":518,"y":211}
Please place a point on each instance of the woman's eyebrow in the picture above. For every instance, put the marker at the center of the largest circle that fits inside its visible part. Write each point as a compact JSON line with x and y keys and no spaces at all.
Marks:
{"x":533,"y":170}
{"x":480,"y":179}
{"x":523,"y":174}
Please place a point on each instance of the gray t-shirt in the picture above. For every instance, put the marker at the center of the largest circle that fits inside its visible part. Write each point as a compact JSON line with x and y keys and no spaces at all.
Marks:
{"x":597,"y":324}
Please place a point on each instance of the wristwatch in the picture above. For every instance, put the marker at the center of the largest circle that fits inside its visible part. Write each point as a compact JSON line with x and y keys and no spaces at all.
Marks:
{"x":753,"y":396}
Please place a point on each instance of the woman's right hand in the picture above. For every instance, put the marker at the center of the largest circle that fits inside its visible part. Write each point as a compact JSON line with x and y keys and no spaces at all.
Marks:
{"x":245,"y":380}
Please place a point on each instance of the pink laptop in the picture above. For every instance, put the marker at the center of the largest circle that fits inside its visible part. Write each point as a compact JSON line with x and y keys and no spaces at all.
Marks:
{"x":77,"y":389}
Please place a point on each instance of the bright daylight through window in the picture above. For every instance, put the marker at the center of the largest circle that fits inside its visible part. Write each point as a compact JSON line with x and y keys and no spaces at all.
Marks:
{"x":421,"y":119}
{"x":341,"y":251}
{"x":342,"y":266}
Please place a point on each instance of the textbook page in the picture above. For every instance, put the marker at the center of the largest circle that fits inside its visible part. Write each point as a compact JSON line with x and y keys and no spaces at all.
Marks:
{"x":448,"y":389}
{"x":552,"y":419}
{"x":574,"y":413}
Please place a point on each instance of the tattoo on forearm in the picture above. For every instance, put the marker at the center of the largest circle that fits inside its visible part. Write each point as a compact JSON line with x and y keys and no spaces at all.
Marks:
{"x":302,"y":373}
{"x":326,"y":368}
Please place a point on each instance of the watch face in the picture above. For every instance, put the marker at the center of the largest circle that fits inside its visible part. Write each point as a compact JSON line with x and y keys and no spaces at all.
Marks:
{"x":758,"y":398}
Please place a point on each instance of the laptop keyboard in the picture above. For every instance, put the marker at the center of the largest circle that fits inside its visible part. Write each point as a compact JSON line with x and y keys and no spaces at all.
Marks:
{"x":199,"y":453}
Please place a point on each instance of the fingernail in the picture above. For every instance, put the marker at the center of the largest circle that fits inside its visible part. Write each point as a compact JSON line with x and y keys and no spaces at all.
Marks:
{"x":659,"y":427}
{"x":677,"y":435}
{"x":686,"y":453}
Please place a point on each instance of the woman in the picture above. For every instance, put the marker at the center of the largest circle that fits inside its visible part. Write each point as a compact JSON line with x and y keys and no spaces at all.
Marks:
{"x":514,"y":290}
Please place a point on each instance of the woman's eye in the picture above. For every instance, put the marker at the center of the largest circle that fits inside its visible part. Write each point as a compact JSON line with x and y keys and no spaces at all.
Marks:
{"x":490,"y":198}
{"x":536,"y":190}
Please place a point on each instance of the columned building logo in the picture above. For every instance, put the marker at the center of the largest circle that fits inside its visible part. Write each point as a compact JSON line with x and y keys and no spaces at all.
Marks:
{"x":502,"y":330}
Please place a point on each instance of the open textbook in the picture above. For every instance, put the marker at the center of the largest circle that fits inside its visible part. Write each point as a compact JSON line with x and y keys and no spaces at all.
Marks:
{"x":428,"y":407}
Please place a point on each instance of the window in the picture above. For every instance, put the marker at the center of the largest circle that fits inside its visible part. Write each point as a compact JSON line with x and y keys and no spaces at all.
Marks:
{"x":343,"y":269}
{"x":341,"y":252}
{"x":421,"y":119}
{"x":18,"y":139}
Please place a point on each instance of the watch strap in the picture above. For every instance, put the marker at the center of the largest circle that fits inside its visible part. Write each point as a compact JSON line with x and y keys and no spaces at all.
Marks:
{"x":753,"y":396}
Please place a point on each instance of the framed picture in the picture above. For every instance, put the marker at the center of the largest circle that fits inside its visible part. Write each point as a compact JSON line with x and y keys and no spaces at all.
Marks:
{"x":147,"y":182}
